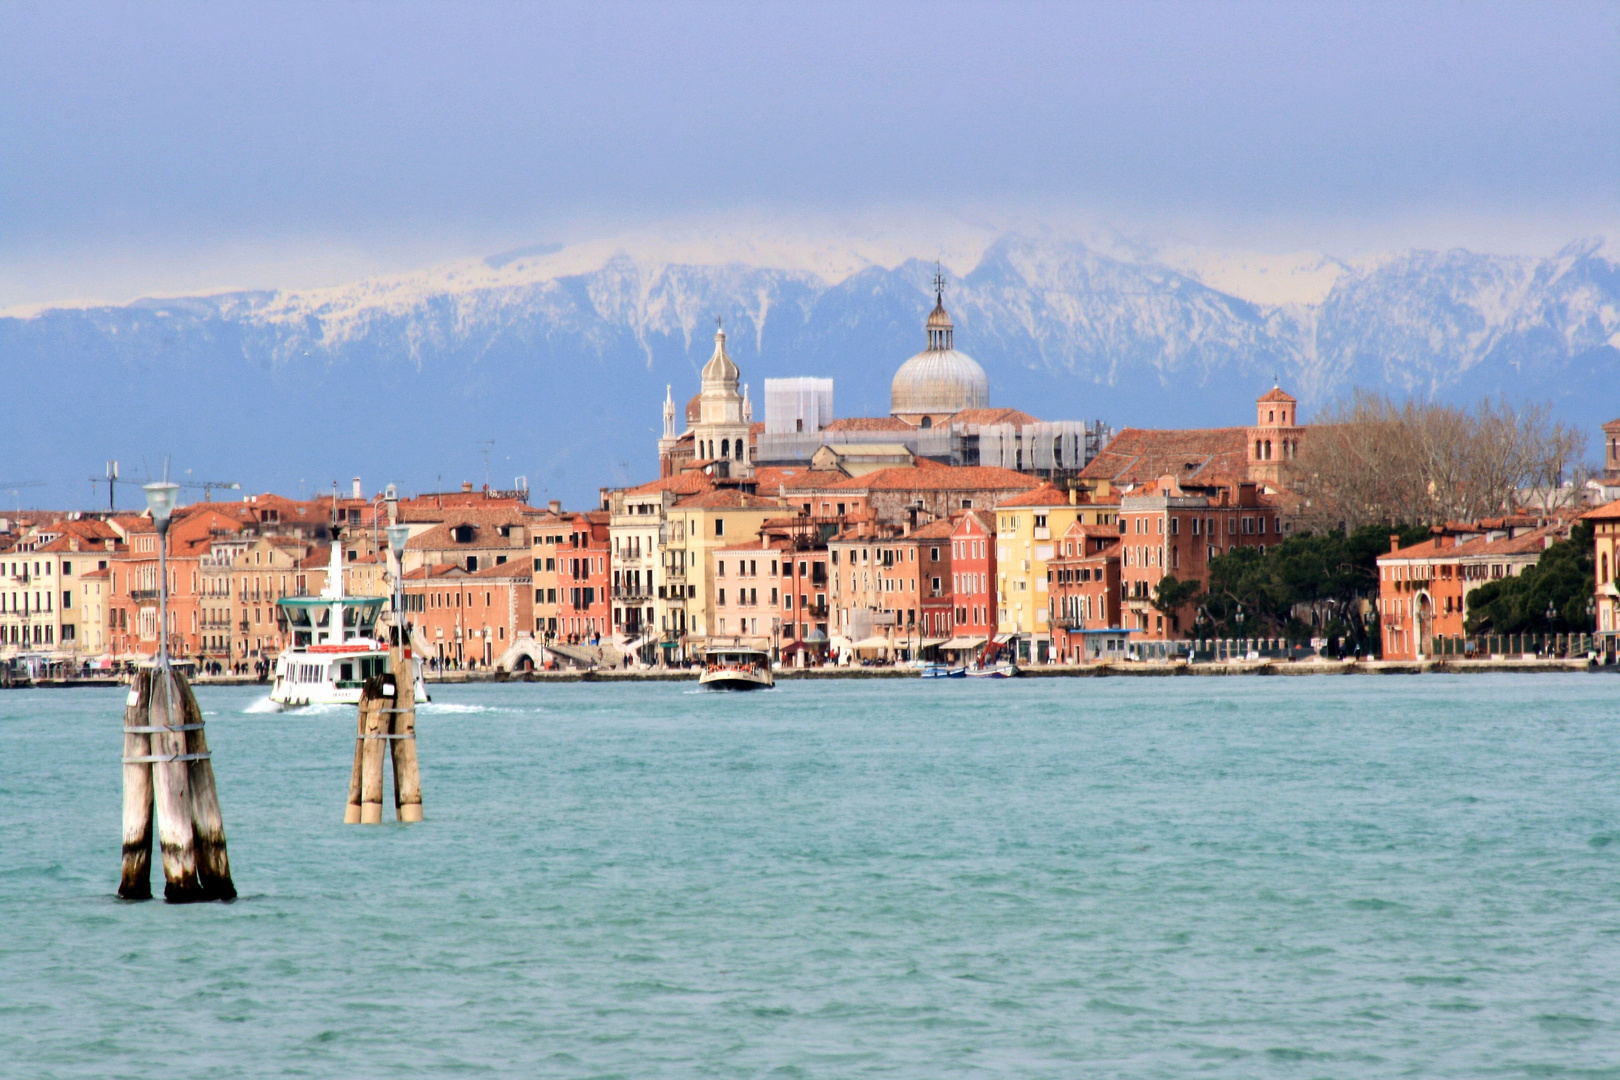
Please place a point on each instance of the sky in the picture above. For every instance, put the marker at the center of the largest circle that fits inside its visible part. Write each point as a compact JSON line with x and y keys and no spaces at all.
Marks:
{"x":152,"y":148}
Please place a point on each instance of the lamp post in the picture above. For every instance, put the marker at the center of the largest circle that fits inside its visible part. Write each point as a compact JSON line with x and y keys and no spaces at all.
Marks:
{"x":398,"y":533}
{"x":160,"y":499}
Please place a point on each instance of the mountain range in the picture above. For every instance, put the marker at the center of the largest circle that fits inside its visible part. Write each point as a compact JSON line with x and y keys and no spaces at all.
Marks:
{"x":554,"y":360}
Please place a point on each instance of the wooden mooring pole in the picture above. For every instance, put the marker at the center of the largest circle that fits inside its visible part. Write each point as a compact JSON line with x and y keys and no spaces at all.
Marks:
{"x":386,"y":717}
{"x":169,"y":777}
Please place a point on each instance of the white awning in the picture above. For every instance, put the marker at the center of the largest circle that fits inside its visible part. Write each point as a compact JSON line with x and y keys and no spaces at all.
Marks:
{"x":959,"y":643}
{"x":874,"y":643}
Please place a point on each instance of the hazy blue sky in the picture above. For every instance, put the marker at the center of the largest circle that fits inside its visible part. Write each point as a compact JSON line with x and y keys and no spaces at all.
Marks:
{"x":152,"y":146}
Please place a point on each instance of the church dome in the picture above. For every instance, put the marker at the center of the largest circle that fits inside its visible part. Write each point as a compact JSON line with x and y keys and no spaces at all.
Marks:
{"x":939,"y":379}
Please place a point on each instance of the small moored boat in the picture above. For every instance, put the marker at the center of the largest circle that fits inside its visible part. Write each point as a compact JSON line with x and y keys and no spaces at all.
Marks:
{"x":994,"y":671}
{"x":944,"y":671}
{"x":737,"y":669}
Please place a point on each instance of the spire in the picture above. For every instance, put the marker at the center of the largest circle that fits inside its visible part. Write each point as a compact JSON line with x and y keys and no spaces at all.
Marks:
{"x":747,"y":407}
{"x":941,"y":332}
{"x":720,"y":370}
{"x":669,"y":412}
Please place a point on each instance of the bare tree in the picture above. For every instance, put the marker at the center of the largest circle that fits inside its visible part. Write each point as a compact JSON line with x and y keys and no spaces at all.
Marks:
{"x":1368,"y":460}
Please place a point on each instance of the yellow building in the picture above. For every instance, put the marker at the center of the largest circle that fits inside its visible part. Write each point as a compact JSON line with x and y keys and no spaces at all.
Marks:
{"x":1026,"y":526}
{"x":1605,"y":522}
{"x":698,"y":526}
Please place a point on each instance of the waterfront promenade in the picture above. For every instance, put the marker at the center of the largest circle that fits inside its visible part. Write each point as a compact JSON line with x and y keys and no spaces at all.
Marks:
{"x":1107,"y":669}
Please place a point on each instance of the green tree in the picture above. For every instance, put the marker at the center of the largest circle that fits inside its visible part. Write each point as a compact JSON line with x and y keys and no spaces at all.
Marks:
{"x":1562,"y":578}
{"x":1325,"y":576}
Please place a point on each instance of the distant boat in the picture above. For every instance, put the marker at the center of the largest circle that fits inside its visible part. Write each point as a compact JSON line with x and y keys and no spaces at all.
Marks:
{"x":737,"y":669}
{"x":944,"y":671}
{"x":335,"y":648}
{"x":995,"y":671}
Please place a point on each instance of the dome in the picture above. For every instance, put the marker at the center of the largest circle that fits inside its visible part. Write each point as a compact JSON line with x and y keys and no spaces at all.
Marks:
{"x":694,"y":410}
{"x":939,"y":381}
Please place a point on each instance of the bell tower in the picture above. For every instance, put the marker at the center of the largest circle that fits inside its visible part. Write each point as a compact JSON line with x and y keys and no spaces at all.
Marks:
{"x":1273,"y":441}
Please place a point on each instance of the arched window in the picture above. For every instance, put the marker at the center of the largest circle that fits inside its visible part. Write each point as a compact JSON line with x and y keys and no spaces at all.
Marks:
{"x":725,"y":448}
{"x":927,"y":422}
{"x":1605,"y":576}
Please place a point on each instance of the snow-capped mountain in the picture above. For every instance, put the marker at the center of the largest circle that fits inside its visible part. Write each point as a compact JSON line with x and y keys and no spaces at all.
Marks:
{"x":561,"y":355}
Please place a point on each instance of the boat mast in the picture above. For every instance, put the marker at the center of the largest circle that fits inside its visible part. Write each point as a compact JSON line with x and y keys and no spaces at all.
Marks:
{"x":334,"y":577}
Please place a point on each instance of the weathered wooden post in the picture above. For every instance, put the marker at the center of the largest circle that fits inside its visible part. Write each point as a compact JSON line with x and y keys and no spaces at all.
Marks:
{"x":387,"y":714}
{"x":407,"y":780}
{"x":136,"y":881}
{"x":168,"y":775}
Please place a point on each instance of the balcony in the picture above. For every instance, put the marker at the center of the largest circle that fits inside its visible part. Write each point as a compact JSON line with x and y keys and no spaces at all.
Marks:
{"x":143,"y":596}
{"x":632,"y":592}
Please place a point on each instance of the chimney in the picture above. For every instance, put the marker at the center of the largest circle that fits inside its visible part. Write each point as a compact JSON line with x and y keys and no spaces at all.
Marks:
{"x":1394,"y":543}
{"x":466,"y":487}
{"x":555,"y":506}
{"x":1074,"y":497}
{"x":357,"y":493}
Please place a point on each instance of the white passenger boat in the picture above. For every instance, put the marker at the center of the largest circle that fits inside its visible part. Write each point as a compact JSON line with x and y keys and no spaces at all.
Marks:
{"x":335,"y":645}
{"x":737,"y":669}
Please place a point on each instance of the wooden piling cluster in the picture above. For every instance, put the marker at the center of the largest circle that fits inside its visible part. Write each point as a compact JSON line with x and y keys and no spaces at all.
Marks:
{"x":169,"y":777}
{"x":387,"y":718}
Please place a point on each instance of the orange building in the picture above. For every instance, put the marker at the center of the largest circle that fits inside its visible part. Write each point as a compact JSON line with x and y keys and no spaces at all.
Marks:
{"x":1085,"y":590}
{"x":1423,"y":588}
{"x":1605,"y":521}
{"x":1172,"y":529}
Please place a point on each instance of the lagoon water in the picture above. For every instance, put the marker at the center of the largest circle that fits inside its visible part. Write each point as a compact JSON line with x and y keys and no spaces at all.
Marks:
{"x":1126,"y":878}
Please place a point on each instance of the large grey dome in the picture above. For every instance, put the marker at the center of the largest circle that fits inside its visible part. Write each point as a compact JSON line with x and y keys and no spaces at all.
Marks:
{"x":939,"y":379}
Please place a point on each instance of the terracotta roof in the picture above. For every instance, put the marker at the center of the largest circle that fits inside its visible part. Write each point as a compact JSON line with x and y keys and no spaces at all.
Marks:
{"x":728,"y":499}
{"x":1525,"y":543}
{"x":422,"y":573}
{"x":101,"y":573}
{"x":1201,"y":455}
{"x":318,"y":558}
{"x":941,"y":478}
{"x":1045,"y":495}
{"x":1016,"y":417}
{"x":690,"y":482}
{"x":869,"y":423}
{"x":1606,"y":512}
{"x":1276,"y":394}
{"x":511,"y":568}
{"x":753,"y":545}
{"x":934,"y":530}
{"x":769,"y":479}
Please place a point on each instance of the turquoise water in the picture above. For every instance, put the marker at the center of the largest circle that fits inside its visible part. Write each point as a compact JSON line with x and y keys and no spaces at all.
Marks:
{"x":1336,"y":877}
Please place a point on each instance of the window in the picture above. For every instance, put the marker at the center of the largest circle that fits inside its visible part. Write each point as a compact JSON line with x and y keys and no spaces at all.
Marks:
{"x":933,"y":554}
{"x":719,"y":526}
{"x":720,"y":568}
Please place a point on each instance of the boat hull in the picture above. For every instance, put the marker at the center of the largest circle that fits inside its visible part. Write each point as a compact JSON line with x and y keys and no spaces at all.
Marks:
{"x":736,"y":680}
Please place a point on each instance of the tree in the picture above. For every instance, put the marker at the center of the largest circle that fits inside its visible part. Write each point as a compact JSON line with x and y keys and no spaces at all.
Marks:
{"x":1369,"y":461}
{"x":1172,"y":594}
{"x":1562,"y":578}
{"x":1310,"y":585}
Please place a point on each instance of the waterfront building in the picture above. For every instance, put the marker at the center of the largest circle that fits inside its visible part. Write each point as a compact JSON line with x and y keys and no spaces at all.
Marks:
{"x":1025,"y":526}
{"x":936,"y":600}
{"x":42,"y":608}
{"x":468,"y":618}
{"x":1173,"y":529}
{"x":698,"y":525}
{"x":748,"y":595}
{"x":548,"y":537}
{"x":1605,"y":522}
{"x":876,"y":589}
{"x":584,"y":569}
{"x":1423,"y":588}
{"x":1085,"y":594}
{"x":973,"y":584}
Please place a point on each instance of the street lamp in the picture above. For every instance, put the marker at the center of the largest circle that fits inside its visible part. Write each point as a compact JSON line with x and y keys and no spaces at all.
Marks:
{"x":160,"y":499}
{"x":398,"y":533}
